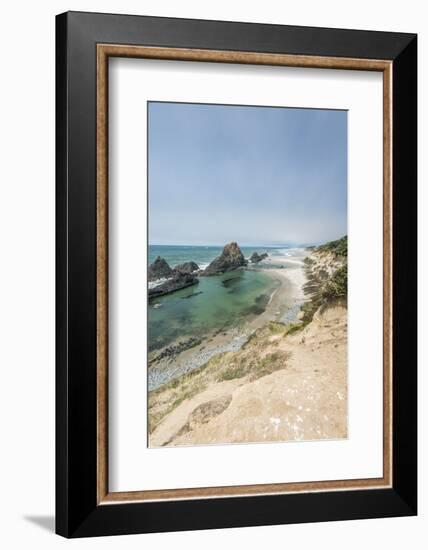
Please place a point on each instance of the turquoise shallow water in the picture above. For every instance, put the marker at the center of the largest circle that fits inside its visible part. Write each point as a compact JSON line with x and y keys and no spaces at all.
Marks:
{"x":216,"y":303}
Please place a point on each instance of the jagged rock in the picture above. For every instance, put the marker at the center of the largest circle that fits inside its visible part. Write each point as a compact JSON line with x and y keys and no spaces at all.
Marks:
{"x":256,"y":258}
{"x":159,"y":269}
{"x":187,"y":267}
{"x":175,"y":349}
{"x":231,"y":258}
{"x":176,"y":282}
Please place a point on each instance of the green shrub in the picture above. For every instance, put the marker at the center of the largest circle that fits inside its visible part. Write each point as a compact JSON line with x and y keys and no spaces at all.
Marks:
{"x":277,"y":327}
{"x":295,"y":327}
{"x":339,"y":247}
{"x":322,"y":288}
{"x":337,"y":285}
{"x":232,"y":372}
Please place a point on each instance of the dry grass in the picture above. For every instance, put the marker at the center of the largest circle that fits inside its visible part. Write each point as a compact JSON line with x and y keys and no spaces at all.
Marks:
{"x":254,"y":367}
{"x":251,"y":362}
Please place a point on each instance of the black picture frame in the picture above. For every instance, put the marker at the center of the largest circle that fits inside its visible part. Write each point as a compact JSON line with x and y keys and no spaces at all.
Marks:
{"x":77,"y":511}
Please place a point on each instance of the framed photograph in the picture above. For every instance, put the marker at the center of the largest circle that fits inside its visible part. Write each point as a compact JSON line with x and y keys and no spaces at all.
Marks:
{"x":236,"y":274}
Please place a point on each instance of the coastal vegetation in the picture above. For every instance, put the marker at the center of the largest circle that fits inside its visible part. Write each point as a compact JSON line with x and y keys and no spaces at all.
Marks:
{"x":327,"y":276}
{"x":339,"y":247}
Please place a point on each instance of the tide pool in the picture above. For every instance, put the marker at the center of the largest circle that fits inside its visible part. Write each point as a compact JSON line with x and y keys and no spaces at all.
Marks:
{"x":216,"y":303}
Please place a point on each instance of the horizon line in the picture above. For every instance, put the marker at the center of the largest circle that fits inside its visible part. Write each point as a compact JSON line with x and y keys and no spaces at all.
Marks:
{"x":245,"y":244}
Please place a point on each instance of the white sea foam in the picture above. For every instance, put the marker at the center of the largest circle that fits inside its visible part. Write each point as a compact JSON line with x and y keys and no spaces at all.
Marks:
{"x":289,"y":252}
{"x":154,"y":284}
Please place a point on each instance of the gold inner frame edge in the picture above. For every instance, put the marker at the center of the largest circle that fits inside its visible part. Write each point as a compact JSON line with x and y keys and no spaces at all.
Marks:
{"x":104,"y":51}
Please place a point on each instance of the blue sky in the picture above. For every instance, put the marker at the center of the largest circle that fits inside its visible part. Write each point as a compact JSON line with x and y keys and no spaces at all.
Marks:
{"x":255,"y":175}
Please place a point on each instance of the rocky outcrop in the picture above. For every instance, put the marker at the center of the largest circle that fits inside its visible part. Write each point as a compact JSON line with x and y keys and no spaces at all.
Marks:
{"x":176,"y":282}
{"x":159,"y":269}
{"x":187,"y":267}
{"x":255,"y":258}
{"x":231,"y":258}
{"x":175,"y":349}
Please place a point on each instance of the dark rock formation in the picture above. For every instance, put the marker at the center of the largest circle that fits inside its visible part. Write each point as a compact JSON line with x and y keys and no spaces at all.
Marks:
{"x":231,"y":258}
{"x":187,"y":267}
{"x":176,"y":282}
{"x":256,"y":258}
{"x":175,"y":349}
{"x":159,"y":269}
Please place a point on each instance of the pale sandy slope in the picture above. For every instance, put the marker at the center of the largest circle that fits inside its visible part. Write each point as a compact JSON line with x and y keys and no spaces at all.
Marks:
{"x":305,"y":399}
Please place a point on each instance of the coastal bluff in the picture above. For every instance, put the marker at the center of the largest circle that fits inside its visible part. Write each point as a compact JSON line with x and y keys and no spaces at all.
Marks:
{"x":231,"y":258}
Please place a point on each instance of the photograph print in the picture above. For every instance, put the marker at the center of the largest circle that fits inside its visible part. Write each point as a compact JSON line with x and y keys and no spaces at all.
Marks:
{"x":247,"y":274}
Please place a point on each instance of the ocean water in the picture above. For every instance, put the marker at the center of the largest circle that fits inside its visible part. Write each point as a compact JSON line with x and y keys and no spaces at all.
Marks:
{"x":216,"y":303}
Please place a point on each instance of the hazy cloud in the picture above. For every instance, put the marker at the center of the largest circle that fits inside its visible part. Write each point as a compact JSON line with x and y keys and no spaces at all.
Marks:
{"x":255,"y":175}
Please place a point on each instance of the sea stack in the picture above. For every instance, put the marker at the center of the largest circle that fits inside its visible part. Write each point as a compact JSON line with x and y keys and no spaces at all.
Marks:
{"x":187,"y":267}
{"x":159,"y":269}
{"x":231,"y":258}
{"x":256,"y":257}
